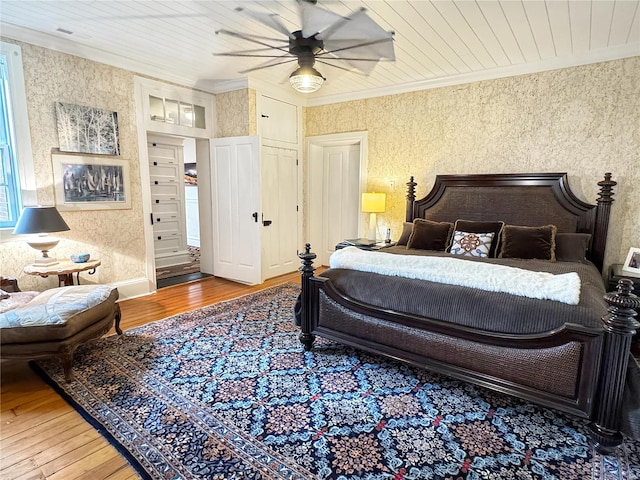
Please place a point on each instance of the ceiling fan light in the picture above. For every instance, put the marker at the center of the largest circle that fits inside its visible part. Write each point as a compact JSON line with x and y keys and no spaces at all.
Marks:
{"x":306,"y":80}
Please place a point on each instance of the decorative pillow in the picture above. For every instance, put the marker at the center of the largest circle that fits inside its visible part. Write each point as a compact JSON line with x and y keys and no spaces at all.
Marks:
{"x":407,"y":228}
{"x":472,"y":244}
{"x":529,"y":242}
{"x":482,"y":227}
{"x":428,"y":235}
{"x":572,"y":247}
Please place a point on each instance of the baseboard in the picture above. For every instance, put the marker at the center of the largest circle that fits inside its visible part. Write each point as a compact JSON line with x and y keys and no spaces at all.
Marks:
{"x":136,"y":287}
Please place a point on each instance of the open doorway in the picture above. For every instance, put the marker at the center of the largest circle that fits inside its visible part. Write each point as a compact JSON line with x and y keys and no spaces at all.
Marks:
{"x":175,"y":214}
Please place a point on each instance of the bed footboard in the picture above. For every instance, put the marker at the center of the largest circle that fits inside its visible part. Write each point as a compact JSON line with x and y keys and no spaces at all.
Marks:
{"x":603,"y":368}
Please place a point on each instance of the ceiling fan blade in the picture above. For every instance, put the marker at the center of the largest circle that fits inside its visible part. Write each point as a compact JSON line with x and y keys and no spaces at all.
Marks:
{"x":267,"y":65}
{"x":271,"y":20}
{"x":316,"y":19}
{"x":362,"y":56}
{"x":360,"y":29}
{"x":350,"y":70}
{"x":328,"y":31}
{"x":243,"y":52}
{"x":251,"y":38}
{"x":382,"y":48}
{"x":250,"y":55}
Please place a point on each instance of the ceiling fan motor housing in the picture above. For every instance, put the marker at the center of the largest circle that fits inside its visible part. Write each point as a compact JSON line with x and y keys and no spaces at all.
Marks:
{"x":305,"y":48}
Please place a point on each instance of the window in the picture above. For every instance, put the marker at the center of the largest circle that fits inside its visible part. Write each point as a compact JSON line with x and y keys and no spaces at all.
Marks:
{"x":10,"y":198}
{"x":17,"y":178}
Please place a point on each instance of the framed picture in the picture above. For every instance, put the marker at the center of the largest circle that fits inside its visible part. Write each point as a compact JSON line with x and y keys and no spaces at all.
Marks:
{"x":87,"y":130}
{"x":632,"y":263}
{"x":91,"y":183}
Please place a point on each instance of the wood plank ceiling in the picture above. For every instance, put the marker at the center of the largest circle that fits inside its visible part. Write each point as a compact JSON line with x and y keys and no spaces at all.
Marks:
{"x":436,"y":42}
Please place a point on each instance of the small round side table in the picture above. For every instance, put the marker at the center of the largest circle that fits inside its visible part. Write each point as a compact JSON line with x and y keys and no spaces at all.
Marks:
{"x":64,"y":269}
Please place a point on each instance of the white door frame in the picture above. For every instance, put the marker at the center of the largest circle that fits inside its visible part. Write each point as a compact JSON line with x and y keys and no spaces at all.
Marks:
{"x":314,"y":147}
{"x":141,"y":89}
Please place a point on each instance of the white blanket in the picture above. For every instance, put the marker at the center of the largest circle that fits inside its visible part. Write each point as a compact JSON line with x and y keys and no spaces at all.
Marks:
{"x":563,"y":287}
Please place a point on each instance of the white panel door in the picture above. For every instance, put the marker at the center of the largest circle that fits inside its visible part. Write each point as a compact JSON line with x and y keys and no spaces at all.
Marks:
{"x":340,"y":197}
{"x":235,"y":180}
{"x":279,"y":211}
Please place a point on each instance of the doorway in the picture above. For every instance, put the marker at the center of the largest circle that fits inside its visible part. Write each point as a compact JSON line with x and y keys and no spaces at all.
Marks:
{"x":337,"y":176}
{"x":175,"y":211}
{"x":174,"y":207}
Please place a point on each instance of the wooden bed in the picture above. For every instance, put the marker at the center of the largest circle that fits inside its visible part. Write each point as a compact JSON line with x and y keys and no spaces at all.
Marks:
{"x":600,"y":349}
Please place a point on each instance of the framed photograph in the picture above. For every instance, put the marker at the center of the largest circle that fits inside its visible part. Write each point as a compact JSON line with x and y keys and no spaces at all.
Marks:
{"x":632,"y":263}
{"x":91,"y":183}
{"x":87,"y":130}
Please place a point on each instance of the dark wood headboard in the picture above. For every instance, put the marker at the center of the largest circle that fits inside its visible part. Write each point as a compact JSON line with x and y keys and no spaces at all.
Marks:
{"x":530,"y":199}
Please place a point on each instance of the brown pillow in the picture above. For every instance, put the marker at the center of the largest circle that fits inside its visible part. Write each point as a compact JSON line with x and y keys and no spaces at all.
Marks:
{"x":407,"y":228}
{"x":572,"y":247}
{"x":428,"y":235}
{"x":529,"y":242}
{"x":482,"y":227}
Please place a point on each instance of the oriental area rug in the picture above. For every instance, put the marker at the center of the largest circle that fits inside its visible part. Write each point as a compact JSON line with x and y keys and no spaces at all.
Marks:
{"x":227,"y":392}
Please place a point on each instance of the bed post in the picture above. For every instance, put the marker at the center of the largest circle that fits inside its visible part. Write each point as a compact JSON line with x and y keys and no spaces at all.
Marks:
{"x":411,"y":198}
{"x":619,"y":326}
{"x":604,"y":201}
{"x":307,"y":269}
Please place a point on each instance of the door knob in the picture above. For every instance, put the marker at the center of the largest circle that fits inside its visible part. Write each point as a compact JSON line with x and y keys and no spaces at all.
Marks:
{"x":255,"y":216}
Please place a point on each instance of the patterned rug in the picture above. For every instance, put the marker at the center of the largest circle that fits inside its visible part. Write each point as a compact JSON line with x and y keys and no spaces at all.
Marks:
{"x":227,"y":392}
{"x":183,"y":269}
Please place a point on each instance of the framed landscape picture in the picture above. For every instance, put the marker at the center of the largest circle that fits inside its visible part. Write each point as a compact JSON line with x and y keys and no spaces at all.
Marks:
{"x":87,"y":130}
{"x":91,"y":183}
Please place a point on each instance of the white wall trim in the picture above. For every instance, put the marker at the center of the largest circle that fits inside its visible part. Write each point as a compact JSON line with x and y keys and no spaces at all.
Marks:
{"x":135,"y":287}
{"x":141,"y":90}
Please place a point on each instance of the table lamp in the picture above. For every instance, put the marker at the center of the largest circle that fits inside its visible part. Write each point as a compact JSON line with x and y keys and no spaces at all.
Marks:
{"x":40,"y":221}
{"x":373,"y":203}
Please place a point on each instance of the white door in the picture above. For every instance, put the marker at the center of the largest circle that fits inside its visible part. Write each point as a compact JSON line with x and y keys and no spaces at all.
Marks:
{"x":279,"y":211}
{"x":334,"y":192}
{"x":235,"y":181}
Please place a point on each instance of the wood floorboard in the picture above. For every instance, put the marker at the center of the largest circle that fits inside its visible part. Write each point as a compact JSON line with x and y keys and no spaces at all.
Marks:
{"x":42,"y":437}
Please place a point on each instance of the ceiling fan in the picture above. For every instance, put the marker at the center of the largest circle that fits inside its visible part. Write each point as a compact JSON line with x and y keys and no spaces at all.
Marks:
{"x":324,"y":37}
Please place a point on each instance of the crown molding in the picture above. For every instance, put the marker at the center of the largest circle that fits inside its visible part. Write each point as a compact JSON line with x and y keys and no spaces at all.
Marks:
{"x":556,"y":63}
{"x":56,"y":43}
{"x":64,"y":45}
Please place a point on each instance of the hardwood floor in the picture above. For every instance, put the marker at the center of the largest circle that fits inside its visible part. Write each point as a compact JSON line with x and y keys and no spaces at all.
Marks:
{"x":42,"y":437}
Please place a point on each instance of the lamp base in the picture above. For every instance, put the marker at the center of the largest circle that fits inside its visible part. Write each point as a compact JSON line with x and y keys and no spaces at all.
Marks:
{"x":45,"y":262}
{"x":44,"y":243}
{"x":373,"y":226}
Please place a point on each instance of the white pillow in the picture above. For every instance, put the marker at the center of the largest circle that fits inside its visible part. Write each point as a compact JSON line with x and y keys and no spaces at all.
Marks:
{"x":471,"y":244}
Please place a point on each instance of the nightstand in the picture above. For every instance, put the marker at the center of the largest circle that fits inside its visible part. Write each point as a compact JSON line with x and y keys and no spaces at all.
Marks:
{"x":363,"y":246}
{"x":616,"y":273}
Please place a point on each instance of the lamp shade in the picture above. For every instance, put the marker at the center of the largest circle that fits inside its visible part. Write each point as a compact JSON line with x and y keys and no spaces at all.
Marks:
{"x":40,"y":220}
{"x":373,"y":202}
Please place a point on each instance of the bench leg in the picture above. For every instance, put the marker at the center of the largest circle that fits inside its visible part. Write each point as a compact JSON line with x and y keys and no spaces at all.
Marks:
{"x":66,"y":359}
{"x":118,"y":317}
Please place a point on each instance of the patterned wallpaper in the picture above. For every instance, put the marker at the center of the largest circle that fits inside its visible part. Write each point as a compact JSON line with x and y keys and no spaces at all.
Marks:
{"x":113,"y":236}
{"x":584,"y":121}
{"x":233,"y":113}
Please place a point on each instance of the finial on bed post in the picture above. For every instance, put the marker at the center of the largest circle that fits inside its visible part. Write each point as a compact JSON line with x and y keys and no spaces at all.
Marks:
{"x":411,"y":198}
{"x":307,"y":269}
{"x":603,"y":211}
{"x":619,"y":326}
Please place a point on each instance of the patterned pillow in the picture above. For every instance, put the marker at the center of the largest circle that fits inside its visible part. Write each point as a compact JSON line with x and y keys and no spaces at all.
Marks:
{"x":472,"y":244}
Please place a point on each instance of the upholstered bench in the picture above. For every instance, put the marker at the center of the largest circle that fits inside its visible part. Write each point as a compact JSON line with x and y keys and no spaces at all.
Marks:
{"x":55,"y":322}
